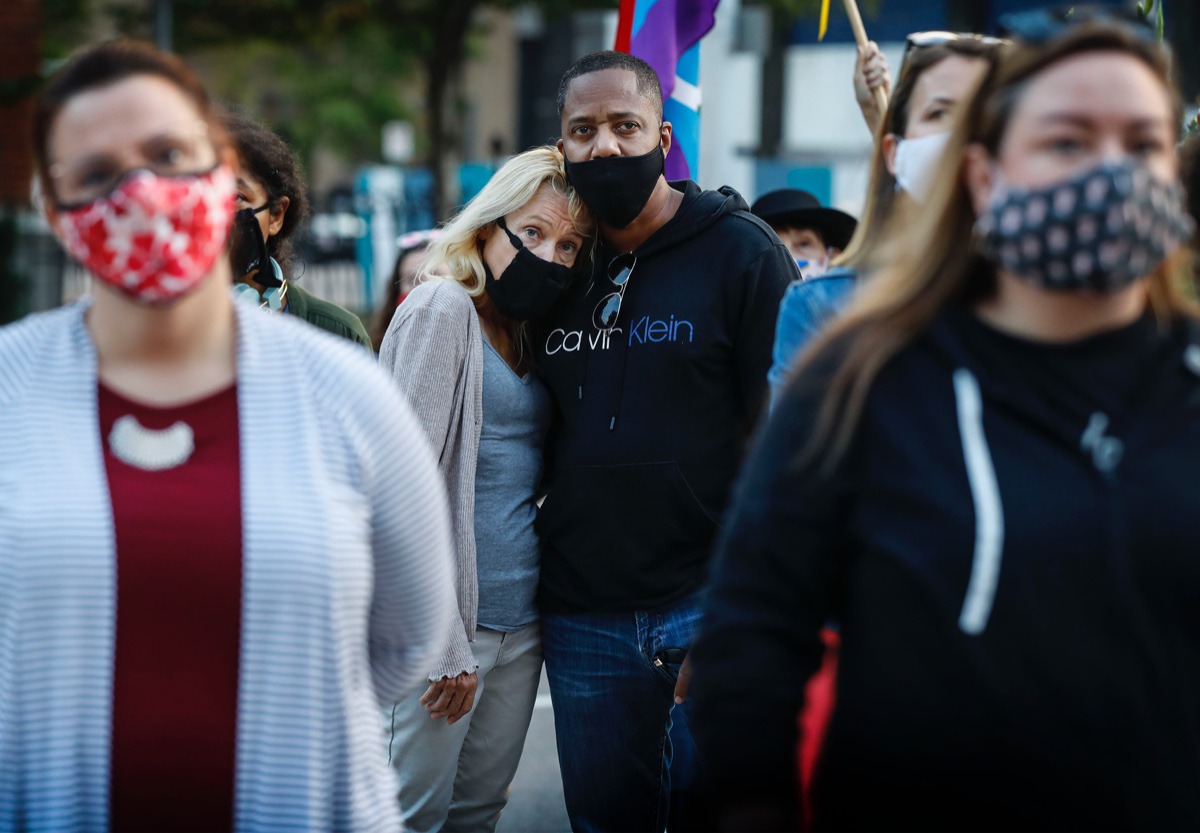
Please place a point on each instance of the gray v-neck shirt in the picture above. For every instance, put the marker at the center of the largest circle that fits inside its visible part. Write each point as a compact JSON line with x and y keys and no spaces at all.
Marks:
{"x":516,"y":417}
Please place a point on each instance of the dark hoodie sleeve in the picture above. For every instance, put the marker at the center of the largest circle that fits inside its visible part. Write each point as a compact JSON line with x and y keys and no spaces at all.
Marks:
{"x":761,"y":291}
{"x":771,"y":590}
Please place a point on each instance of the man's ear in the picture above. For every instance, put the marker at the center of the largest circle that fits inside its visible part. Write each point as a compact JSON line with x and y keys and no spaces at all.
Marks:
{"x":559,"y":145}
{"x":278,"y":213}
{"x":977,"y":172}
{"x":890,"y":143}
{"x":665,"y":137}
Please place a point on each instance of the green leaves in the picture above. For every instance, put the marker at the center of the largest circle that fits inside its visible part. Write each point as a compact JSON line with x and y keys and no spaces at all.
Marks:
{"x":334,"y":92}
{"x":1146,"y":7}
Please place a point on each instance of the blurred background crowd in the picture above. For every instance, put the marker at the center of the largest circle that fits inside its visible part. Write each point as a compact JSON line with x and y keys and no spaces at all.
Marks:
{"x":400,"y":110}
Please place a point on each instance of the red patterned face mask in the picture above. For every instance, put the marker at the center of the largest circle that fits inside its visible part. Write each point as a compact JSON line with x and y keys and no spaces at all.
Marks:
{"x":153,"y":237}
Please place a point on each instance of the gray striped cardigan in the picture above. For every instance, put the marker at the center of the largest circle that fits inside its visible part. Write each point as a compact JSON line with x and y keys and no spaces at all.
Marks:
{"x":434,"y":350}
{"x":347,"y":578}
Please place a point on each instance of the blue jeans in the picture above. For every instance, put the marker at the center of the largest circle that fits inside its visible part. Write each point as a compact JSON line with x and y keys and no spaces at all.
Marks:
{"x":627,"y":758}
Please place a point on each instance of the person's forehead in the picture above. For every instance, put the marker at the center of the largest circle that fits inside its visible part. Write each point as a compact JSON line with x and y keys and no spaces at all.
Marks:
{"x":413,"y":260}
{"x":951,"y":79}
{"x":1097,"y":86}
{"x":797,"y":229}
{"x":121,"y":115}
{"x":548,"y":204}
{"x":247,"y":181}
{"x":604,"y":92}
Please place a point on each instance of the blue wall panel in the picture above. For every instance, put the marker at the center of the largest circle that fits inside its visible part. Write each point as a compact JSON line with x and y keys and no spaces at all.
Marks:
{"x":771,"y":174}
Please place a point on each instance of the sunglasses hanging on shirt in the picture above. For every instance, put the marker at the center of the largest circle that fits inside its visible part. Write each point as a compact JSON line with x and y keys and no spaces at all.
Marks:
{"x":604,"y":317}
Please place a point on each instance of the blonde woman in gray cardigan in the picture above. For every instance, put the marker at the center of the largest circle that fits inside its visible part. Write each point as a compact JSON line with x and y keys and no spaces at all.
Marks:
{"x":457,"y":347}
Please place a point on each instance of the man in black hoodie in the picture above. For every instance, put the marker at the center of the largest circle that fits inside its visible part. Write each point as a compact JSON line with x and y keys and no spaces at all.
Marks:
{"x":658,"y":364}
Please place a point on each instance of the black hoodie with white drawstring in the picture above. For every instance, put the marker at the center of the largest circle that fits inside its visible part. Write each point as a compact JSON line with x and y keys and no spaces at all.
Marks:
{"x":1010,"y":548}
{"x":652,"y":418}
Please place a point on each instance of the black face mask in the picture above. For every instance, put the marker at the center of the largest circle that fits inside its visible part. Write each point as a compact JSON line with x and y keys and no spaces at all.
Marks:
{"x":248,"y":249}
{"x":529,"y":286}
{"x":617,"y":188}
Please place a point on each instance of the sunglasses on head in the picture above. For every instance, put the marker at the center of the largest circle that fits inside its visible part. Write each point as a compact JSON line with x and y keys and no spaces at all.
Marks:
{"x":923,"y":40}
{"x":1042,"y":25}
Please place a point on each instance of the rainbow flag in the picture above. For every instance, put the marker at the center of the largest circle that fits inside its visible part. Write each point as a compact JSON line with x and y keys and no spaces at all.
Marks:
{"x":666,"y":34}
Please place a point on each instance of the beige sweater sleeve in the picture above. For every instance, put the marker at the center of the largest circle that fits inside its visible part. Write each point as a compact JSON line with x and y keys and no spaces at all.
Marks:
{"x":424,"y":350}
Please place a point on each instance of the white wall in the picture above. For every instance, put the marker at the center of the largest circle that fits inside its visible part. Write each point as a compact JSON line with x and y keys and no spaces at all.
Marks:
{"x":731,"y":108}
{"x":822,"y":123}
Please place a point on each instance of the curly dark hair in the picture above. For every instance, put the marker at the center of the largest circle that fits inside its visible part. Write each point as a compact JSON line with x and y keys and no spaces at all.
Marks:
{"x":268,"y":159}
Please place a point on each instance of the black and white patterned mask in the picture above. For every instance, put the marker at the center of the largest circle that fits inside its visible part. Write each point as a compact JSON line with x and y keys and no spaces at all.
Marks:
{"x":1100,"y":230}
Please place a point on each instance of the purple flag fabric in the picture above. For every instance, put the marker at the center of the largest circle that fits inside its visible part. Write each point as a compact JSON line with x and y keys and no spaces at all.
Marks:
{"x":666,"y":34}
{"x":670,"y":28}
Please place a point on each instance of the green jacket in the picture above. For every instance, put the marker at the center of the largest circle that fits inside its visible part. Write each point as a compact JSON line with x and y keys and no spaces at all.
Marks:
{"x":326,"y":315}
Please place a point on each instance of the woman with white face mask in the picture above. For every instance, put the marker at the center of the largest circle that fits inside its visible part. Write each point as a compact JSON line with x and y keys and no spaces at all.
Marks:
{"x":939,"y":72}
{"x":985,"y":473}
{"x":179,"y":651}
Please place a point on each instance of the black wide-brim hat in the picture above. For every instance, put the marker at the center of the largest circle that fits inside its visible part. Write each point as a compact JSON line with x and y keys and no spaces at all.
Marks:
{"x":793,"y":207}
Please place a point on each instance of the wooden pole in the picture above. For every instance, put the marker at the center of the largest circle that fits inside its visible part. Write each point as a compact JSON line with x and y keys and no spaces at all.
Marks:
{"x":860,"y":35}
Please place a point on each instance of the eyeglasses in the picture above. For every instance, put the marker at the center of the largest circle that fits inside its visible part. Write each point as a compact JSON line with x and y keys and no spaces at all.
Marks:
{"x":169,"y":155}
{"x":609,"y":309}
{"x":1041,"y":25}
{"x":923,"y":40}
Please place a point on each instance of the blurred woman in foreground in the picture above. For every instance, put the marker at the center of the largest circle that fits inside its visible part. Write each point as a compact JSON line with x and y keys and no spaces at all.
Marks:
{"x":176,"y":653}
{"x":985,"y":474}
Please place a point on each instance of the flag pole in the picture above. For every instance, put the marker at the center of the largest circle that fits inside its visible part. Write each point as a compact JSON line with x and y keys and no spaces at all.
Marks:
{"x":860,"y":35}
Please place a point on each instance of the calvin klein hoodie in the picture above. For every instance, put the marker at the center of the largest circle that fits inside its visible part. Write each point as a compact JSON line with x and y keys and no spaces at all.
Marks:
{"x":653,"y":416}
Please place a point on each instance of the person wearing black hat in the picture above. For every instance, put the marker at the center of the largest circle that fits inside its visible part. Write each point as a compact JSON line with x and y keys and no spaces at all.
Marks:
{"x":813,"y":234}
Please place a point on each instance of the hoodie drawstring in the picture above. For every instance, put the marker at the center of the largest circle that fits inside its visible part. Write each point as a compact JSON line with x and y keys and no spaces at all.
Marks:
{"x":989,"y":512}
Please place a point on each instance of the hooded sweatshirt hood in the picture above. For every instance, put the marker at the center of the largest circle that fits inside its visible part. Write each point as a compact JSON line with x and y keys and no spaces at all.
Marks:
{"x":698,"y":212}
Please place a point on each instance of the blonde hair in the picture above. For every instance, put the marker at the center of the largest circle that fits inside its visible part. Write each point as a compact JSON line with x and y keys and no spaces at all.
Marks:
{"x":457,"y":255}
{"x":929,"y":260}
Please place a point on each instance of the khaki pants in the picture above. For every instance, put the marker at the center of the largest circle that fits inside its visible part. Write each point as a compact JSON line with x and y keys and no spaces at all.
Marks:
{"x":456,"y":778}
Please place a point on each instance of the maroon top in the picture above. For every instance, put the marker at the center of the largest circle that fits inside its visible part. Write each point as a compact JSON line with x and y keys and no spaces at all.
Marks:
{"x":179,"y":584}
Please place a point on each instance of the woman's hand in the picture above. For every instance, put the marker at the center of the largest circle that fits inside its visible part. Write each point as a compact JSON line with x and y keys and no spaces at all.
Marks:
{"x":451,"y":697}
{"x":871,"y":74}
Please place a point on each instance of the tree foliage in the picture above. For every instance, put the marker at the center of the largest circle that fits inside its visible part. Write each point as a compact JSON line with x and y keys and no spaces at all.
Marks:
{"x":326,"y":73}
{"x":330,"y":73}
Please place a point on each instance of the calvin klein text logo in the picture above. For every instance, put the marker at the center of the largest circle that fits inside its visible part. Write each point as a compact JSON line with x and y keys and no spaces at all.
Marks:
{"x":645,"y":329}
{"x":571,"y":341}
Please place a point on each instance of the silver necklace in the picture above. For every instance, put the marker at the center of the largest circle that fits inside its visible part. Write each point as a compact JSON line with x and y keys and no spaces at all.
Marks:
{"x":149,"y":449}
